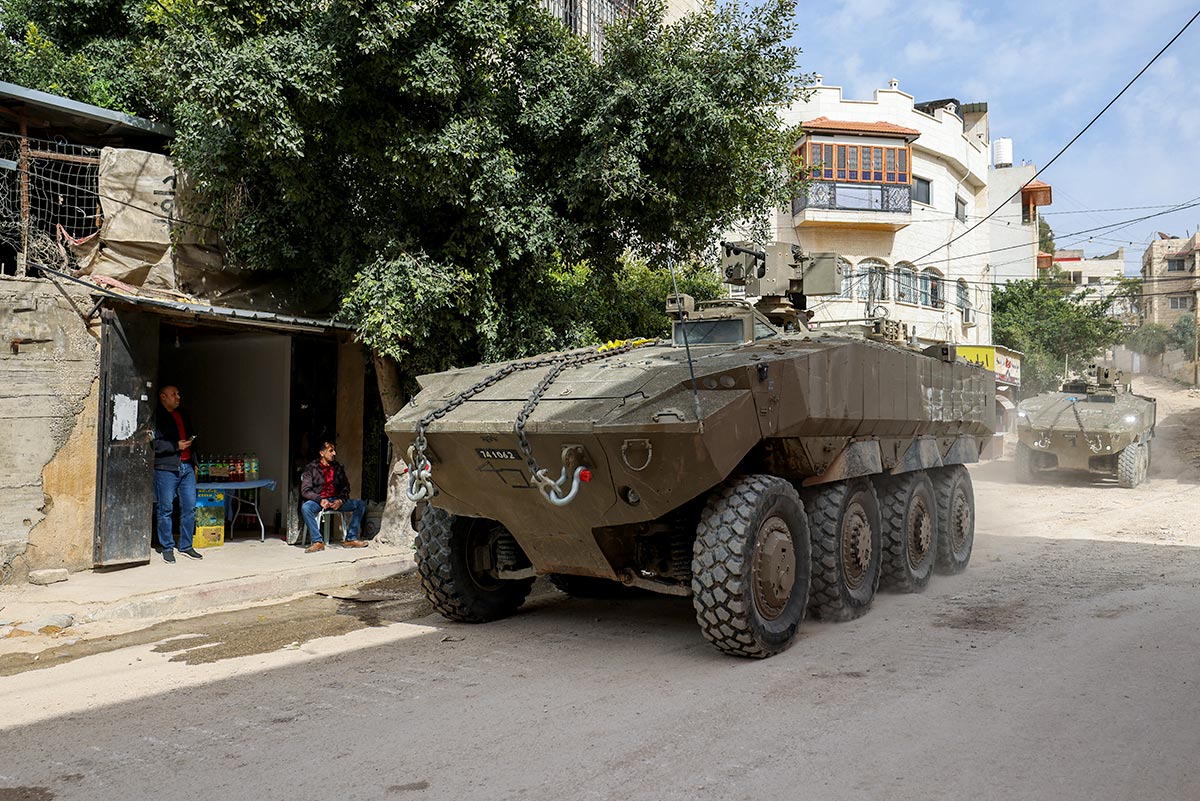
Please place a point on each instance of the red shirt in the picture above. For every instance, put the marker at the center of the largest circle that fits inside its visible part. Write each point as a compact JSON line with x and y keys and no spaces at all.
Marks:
{"x":185,"y":455}
{"x":327,"y":489}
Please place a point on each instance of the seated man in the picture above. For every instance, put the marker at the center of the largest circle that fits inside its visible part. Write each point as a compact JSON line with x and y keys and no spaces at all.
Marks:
{"x":324,"y":486}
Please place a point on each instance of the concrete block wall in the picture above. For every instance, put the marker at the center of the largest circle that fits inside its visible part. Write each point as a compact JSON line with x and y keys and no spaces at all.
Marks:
{"x":49,"y":384}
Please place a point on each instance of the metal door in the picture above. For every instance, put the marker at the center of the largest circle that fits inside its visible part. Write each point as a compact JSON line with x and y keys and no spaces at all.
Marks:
{"x":124,"y":482}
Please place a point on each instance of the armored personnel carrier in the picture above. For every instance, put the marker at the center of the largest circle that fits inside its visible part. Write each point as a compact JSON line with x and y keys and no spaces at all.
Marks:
{"x":761,"y":468}
{"x":1094,"y":424}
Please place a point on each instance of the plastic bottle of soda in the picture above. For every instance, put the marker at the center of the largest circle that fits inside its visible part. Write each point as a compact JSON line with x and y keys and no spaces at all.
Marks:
{"x":202,"y":469}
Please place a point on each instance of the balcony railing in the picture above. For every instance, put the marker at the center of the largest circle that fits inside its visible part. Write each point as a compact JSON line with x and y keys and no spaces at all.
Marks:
{"x":894,"y":198}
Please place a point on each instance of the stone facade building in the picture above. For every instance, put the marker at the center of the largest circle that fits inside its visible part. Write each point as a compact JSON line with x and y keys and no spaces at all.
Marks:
{"x":1170,"y":279}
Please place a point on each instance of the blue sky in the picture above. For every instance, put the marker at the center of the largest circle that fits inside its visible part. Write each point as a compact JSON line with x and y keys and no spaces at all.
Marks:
{"x":1044,"y":68}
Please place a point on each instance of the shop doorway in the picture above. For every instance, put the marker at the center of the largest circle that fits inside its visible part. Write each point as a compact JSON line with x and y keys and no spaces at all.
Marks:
{"x":236,"y":386}
{"x":270,"y":392}
{"x":128,"y":395}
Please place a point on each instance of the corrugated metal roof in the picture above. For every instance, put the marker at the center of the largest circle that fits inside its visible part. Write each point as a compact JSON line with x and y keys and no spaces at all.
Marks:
{"x":64,"y":111}
{"x":248,"y":317}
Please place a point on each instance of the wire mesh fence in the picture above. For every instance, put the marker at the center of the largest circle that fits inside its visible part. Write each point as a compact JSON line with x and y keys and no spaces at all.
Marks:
{"x":49,"y":193}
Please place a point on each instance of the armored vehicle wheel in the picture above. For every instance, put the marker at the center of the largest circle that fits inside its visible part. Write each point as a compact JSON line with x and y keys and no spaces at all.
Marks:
{"x":956,"y":514}
{"x":1024,"y":464}
{"x":910,"y":530}
{"x":847,"y":548}
{"x":591,"y":587}
{"x":1133,"y":464}
{"x":750,"y":566}
{"x":452,"y":552}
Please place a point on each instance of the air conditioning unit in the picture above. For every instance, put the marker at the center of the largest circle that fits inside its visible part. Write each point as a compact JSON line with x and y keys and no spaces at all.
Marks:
{"x":968,"y":317}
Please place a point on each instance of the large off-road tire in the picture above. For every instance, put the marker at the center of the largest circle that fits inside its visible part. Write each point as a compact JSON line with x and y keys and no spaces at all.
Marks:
{"x":750,"y":566}
{"x":847,"y":548}
{"x":1024,"y":464}
{"x":908,"y":511}
{"x":1132,"y":466}
{"x":956,"y":517}
{"x":591,"y":587}
{"x":444,"y":547}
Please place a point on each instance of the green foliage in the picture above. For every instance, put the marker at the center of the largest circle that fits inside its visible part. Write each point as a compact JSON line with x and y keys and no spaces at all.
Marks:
{"x":1045,"y":236}
{"x":1183,"y":333}
{"x":1051,"y":329}
{"x":87,"y":50}
{"x":460,"y":178}
{"x":409,"y":310}
{"x":1150,"y":339}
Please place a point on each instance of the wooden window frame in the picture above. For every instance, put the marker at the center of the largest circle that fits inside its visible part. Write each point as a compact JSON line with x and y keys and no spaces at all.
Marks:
{"x":858,"y":164}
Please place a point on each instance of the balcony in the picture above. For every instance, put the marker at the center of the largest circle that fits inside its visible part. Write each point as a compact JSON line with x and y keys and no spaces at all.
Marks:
{"x":886,"y":207}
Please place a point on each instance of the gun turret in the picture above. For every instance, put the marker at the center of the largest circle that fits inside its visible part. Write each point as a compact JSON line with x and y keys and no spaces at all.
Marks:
{"x":781,"y":275}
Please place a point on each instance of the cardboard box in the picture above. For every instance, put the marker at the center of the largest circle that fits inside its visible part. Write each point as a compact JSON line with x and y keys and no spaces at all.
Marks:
{"x":210,"y":519}
{"x":208,"y":536}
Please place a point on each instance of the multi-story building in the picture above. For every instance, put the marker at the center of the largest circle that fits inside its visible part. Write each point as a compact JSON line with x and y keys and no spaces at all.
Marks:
{"x":895,"y":188}
{"x":1170,"y":279}
{"x":588,"y":18}
{"x":1015,"y":196}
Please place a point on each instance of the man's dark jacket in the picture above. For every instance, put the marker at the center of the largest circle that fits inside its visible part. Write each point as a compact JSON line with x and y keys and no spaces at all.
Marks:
{"x":166,"y":438}
{"x":312,"y":481}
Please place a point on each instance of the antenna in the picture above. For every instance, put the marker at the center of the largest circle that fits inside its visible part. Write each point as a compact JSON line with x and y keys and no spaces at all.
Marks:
{"x":686,"y":347}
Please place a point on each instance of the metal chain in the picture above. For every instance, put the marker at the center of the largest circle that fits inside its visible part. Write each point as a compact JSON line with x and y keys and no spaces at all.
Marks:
{"x":419,"y":465}
{"x":1098,"y":446}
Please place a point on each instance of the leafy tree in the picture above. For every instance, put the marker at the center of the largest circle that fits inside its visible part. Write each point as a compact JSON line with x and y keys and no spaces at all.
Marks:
{"x":1045,"y":236}
{"x":1183,"y":334}
{"x":461,"y":179}
{"x":460,"y":156}
{"x":87,"y":50}
{"x":1150,"y":339}
{"x":1056,"y":333}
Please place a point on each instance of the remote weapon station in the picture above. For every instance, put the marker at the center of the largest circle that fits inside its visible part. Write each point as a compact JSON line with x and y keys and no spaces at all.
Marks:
{"x":759,"y":467}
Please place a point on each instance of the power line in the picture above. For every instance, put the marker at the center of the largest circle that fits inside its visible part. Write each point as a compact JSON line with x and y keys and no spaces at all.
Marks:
{"x":1073,"y":139}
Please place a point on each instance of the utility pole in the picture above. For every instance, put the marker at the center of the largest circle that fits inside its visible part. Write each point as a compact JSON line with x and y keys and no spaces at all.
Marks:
{"x":1196,"y":340}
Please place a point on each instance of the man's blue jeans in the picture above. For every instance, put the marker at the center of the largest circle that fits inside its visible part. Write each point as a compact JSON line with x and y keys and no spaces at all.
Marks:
{"x":310,"y":509}
{"x":167,"y":485}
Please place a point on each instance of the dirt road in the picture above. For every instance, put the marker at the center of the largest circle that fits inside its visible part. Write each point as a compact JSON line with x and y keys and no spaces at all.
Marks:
{"x":1061,"y":665}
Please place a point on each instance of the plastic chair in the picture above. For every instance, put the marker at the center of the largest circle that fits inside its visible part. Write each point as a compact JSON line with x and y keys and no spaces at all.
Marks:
{"x":325,"y":519}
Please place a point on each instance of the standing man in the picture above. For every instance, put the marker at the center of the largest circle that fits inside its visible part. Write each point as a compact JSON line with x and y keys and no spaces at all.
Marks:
{"x":324,"y":486}
{"x":174,"y":474}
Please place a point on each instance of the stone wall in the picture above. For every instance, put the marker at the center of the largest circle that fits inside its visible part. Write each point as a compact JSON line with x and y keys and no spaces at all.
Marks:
{"x":49,"y":383}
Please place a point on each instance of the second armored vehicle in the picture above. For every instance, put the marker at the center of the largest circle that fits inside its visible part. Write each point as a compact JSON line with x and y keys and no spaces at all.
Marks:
{"x":762,"y":472}
{"x":1095,"y":424}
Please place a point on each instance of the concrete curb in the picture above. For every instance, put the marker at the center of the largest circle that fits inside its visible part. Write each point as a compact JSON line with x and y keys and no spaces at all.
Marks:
{"x":227,"y":593}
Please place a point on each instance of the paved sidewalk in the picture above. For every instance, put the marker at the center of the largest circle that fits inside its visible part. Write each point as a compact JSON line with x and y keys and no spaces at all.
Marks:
{"x":238,"y":573}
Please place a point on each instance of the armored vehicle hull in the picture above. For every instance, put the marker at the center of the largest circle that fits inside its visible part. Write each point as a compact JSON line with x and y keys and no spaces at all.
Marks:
{"x":763,"y":478}
{"x":1092,"y":426}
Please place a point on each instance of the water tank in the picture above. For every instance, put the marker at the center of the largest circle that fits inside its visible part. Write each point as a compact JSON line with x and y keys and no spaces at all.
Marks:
{"x":1002,"y":153}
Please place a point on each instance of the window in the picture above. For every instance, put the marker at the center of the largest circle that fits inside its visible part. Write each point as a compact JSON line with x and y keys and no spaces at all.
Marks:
{"x":1093,"y":279}
{"x":762,"y":330}
{"x":1179,"y":302}
{"x":709,"y":332}
{"x":859,"y":163}
{"x":922,"y":191}
{"x":960,"y":209}
{"x":931,"y":289}
{"x":1175,"y":265}
{"x":964,"y":295}
{"x":906,"y":284}
{"x":875,"y":287}
{"x":847,"y":278}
